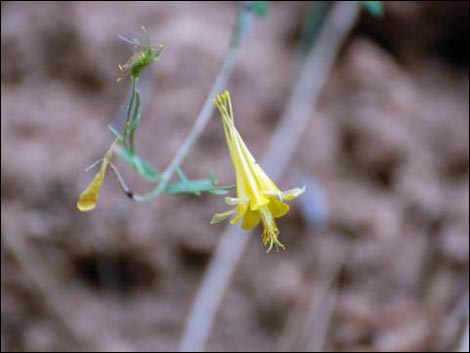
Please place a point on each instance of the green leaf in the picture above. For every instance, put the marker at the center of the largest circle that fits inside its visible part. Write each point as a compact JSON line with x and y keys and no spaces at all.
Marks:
{"x":145,"y":169}
{"x":261,"y":8}
{"x":181,"y":175}
{"x":140,"y":165}
{"x":222,"y":190}
{"x":196,"y":187}
{"x":212,"y":178}
{"x":375,"y":8}
{"x":124,"y":154}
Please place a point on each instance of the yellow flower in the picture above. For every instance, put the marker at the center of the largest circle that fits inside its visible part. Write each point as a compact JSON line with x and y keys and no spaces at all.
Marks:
{"x":89,"y":197}
{"x":258,"y":198}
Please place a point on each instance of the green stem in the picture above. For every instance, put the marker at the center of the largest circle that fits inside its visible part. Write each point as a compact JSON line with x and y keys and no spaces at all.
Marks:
{"x":129,"y":108}
{"x":243,"y":20}
{"x":316,"y":13}
{"x":135,"y":121}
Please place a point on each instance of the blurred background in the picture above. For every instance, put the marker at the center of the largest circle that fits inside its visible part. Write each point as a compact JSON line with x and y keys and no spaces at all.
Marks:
{"x":377,"y":252}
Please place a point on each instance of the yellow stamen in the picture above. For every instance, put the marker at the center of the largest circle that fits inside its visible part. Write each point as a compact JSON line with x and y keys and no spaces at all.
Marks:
{"x":270,"y":231}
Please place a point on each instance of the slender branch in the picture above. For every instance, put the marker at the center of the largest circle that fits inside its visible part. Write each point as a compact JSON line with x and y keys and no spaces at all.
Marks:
{"x":49,"y":290}
{"x":136,"y":116}
{"x":300,"y":108}
{"x":121,"y":182}
{"x":129,"y":108}
{"x":464,"y":340}
{"x":241,"y":26}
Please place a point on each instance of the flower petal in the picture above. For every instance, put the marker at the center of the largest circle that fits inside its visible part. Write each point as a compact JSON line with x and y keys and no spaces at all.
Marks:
{"x":293,"y":193}
{"x":251,"y":219}
{"x":232,"y":201}
{"x":278,"y":208}
{"x":219,"y":217}
{"x":241,"y":208}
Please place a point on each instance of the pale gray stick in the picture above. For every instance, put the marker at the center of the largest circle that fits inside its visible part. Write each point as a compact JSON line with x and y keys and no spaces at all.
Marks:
{"x":242,"y":25}
{"x":47,"y":287}
{"x":300,"y":108}
{"x":464,"y":342}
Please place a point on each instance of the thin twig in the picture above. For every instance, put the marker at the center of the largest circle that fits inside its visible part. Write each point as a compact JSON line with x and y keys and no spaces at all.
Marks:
{"x":48,"y":288}
{"x":300,"y":108}
{"x":129,"y":108}
{"x":464,"y":345}
{"x":319,"y":317}
{"x":307,"y":325}
{"x":243,"y":20}
{"x":462,"y":311}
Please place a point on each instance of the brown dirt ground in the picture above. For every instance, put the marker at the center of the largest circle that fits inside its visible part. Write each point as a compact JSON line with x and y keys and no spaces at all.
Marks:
{"x":389,"y":144}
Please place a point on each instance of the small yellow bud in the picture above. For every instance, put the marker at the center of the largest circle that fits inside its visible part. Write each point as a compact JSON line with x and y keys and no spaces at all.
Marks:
{"x":89,"y":197}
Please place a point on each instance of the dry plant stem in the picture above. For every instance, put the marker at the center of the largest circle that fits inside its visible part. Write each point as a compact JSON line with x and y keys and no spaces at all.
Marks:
{"x":464,"y":344}
{"x":41,"y":280}
{"x":196,"y":131}
{"x":319,"y":318}
{"x":47,"y":288}
{"x":464,"y":340}
{"x":300,"y":108}
{"x":306,"y":327}
{"x":206,"y":112}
